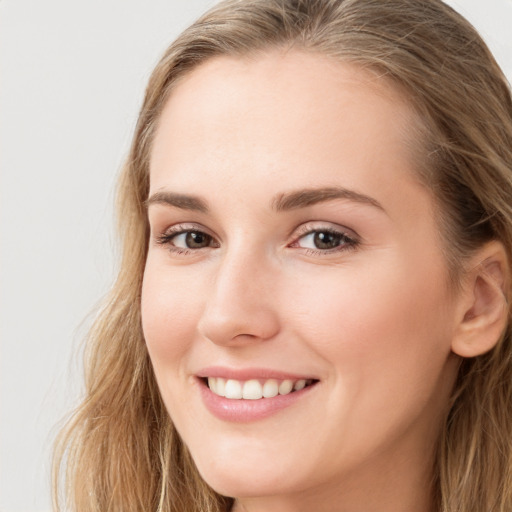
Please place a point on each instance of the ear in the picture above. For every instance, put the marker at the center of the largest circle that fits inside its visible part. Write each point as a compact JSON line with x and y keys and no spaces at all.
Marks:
{"x":484,"y":307}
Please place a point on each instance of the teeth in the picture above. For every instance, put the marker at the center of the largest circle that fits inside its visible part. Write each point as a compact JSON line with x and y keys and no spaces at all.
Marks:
{"x":233,"y":389}
{"x":221,"y":387}
{"x":212,"y":384}
{"x":285,"y":387}
{"x":253,"y":389}
{"x":270,"y":388}
{"x":300,"y":384}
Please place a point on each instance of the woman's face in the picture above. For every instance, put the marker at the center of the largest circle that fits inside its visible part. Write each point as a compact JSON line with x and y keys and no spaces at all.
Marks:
{"x":292,"y":247}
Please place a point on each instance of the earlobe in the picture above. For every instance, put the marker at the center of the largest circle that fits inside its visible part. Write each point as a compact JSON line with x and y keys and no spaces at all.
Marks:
{"x":484,"y":302}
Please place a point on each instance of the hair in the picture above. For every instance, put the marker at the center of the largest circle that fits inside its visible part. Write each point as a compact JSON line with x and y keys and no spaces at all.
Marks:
{"x":120,"y":450}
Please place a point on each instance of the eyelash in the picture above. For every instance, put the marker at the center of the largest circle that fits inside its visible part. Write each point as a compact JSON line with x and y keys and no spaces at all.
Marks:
{"x":168,"y":236}
{"x":347,"y":242}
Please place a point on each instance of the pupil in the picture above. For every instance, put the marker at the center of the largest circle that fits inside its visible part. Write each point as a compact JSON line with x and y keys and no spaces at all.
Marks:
{"x":196,"y":239}
{"x":326,"y":240}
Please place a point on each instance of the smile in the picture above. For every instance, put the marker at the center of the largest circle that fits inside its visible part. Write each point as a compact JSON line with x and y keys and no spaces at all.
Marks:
{"x":255,"y":389}
{"x":251,"y":394}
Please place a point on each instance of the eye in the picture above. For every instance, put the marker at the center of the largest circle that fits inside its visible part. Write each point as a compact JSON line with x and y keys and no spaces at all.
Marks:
{"x":182,"y":239}
{"x":325,"y":240}
{"x":191,"y":240}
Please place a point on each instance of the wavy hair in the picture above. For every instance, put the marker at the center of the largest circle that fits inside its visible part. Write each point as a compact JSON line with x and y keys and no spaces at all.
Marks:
{"x":120,"y":450}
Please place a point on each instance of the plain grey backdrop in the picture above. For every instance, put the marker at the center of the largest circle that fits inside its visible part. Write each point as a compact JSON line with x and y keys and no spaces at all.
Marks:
{"x":72,"y":79}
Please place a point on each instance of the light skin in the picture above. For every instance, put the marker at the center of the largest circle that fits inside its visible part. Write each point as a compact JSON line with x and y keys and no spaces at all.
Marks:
{"x":320,"y":256}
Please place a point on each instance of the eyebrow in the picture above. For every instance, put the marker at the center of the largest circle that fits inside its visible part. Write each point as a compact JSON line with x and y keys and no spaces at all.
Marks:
{"x":282,"y":202}
{"x":182,"y":201}
{"x":308,"y":197}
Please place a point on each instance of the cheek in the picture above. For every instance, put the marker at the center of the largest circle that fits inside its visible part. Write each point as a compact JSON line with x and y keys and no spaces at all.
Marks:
{"x":170,"y":312}
{"x":385,"y":337}
{"x":387,"y":327}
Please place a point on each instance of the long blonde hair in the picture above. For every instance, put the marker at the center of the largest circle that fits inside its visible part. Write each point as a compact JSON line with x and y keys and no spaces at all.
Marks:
{"x":119,"y":450}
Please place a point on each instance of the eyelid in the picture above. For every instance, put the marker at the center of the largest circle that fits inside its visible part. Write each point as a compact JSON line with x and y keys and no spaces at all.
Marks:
{"x":181,"y":227}
{"x":164,"y":236}
{"x":352,"y":239}
{"x":312,"y":226}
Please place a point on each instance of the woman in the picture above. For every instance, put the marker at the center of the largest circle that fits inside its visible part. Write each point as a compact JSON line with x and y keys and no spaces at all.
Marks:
{"x":312,"y":307}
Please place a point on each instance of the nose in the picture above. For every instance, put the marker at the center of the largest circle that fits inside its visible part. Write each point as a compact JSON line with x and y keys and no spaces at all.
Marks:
{"x":239,"y":306}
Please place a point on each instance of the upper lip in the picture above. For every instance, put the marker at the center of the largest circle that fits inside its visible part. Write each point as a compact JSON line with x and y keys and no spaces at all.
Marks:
{"x":243,"y":374}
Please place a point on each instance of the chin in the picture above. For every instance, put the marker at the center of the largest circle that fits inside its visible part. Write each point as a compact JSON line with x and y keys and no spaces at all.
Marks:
{"x":246,"y":485}
{"x":244,"y":477}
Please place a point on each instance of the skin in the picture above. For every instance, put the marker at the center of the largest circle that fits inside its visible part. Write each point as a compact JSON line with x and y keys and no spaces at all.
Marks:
{"x":373,"y":321}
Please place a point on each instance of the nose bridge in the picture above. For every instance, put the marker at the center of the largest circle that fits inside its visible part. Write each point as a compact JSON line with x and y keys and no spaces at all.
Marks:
{"x":239,"y":305}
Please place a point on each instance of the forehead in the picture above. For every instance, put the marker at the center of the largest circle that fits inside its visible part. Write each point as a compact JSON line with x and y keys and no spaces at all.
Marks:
{"x":290,"y":119}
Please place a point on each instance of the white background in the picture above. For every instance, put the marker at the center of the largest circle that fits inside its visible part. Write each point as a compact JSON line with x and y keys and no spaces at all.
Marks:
{"x":72,"y":79}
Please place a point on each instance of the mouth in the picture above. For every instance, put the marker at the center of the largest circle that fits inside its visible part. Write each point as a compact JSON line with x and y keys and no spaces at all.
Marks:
{"x":252,"y":394}
{"x":255,"y":389}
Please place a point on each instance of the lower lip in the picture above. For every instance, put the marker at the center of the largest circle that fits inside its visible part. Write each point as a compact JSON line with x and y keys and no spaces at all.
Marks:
{"x":242,"y":411}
